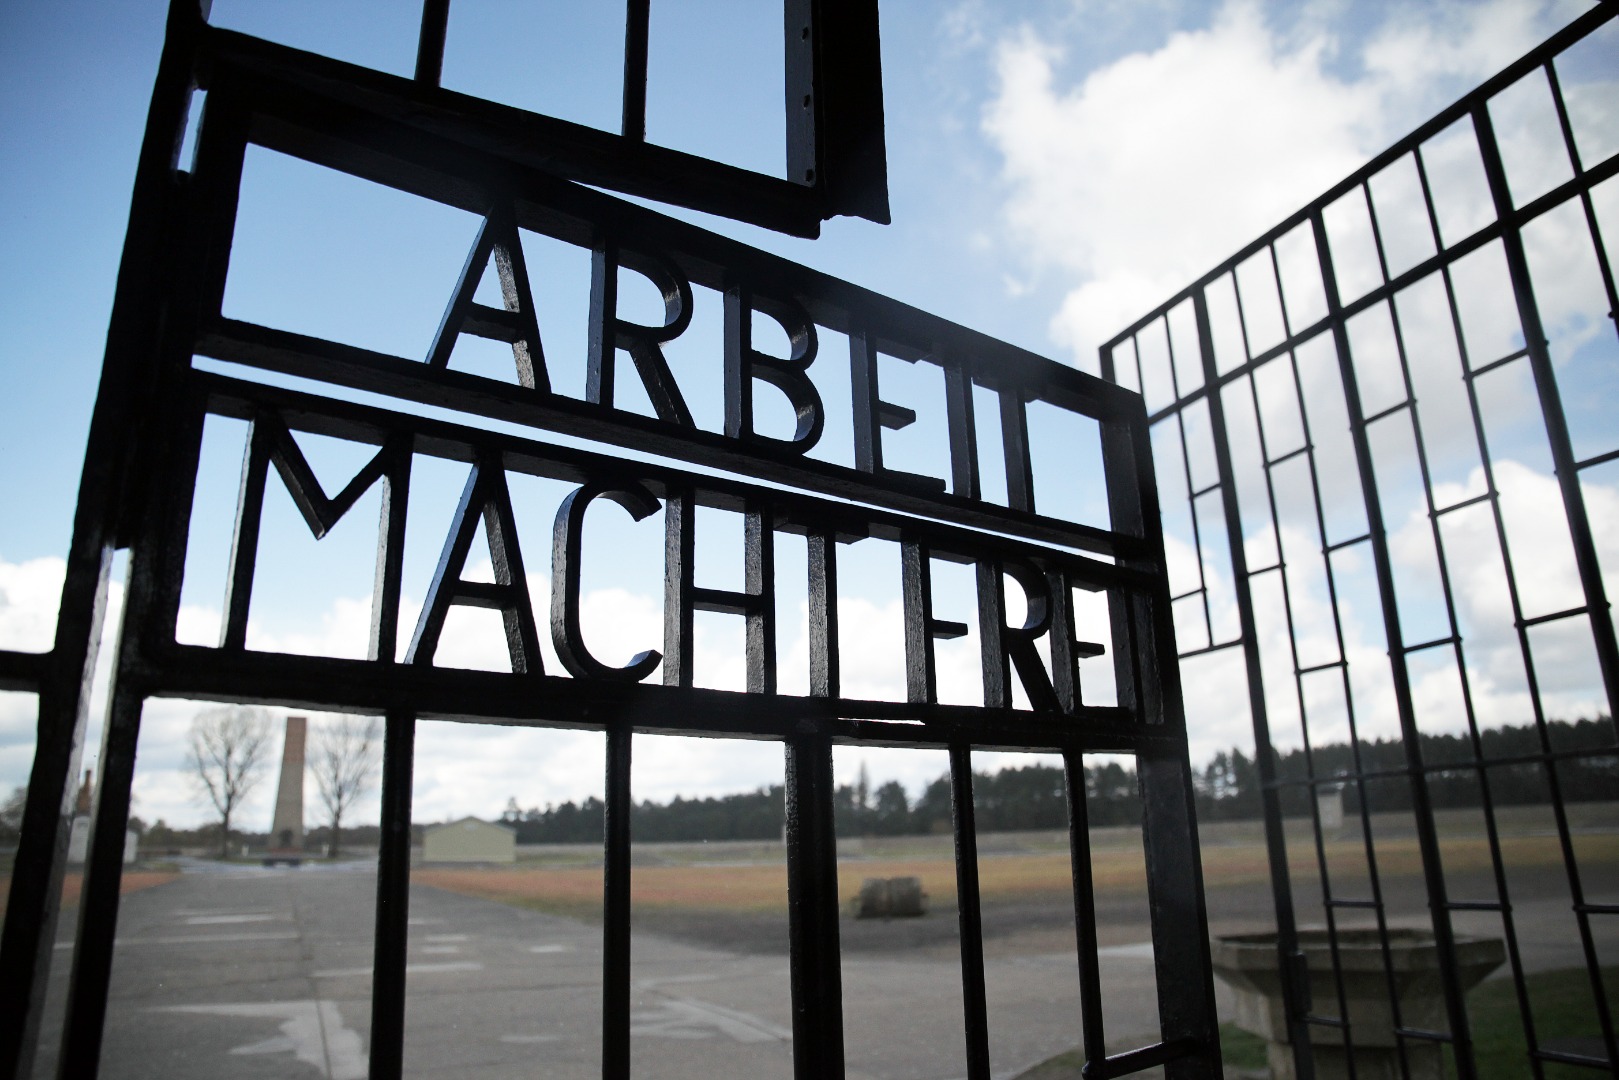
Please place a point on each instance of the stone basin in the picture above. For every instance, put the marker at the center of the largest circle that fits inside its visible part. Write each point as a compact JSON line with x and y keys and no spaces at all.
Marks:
{"x":1249,"y":963}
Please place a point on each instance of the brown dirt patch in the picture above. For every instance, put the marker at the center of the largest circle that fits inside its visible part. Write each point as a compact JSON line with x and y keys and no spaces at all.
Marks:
{"x":73,"y":885}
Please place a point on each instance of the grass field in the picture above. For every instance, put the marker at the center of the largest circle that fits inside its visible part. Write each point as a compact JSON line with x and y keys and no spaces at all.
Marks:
{"x":1561,"y":1003}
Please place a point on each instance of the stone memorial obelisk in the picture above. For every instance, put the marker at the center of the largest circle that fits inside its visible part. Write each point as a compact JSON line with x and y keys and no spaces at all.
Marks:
{"x":287,"y":827}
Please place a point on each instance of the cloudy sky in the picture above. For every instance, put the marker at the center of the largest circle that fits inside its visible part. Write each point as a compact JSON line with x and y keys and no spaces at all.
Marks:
{"x":1057,"y":169}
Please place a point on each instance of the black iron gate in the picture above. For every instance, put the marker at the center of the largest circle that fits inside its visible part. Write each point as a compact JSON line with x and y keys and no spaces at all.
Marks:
{"x":174,"y":359}
{"x":1385,"y":441}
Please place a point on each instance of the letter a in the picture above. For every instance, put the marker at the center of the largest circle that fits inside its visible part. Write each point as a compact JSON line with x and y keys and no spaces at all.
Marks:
{"x":484,"y":496}
{"x":514,"y":323}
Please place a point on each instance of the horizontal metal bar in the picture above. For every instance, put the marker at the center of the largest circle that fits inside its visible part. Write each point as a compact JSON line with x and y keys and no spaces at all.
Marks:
{"x":1478,"y":905}
{"x":794,"y":512}
{"x":1599,"y":459}
{"x":1464,"y":504}
{"x":1470,"y":765}
{"x":1144,"y":1057}
{"x":1524,"y":624}
{"x":1361,"y":905}
{"x":1434,"y":644}
{"x":1390,"y":411}
{"x":1340,"y":545}
{"x":1597,"y":909}
{"x":1325,"y":1021}
{"x":336,"y":135}
{"x":22,"y":670}
{"x":360,"y":369}
{"x":1564,"y":1057}
{"x":1485,"y":369}
{"x":1289,"y":456}
{"x":318,"y":682}
{"x":1330,"y":665}
{"x":1205,"y":650}
{"x":1424,"y":1035}
{"x":569,"y":149}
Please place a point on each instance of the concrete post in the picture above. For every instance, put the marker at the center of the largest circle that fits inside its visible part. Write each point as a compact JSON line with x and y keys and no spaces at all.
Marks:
{"x":287,"y":827}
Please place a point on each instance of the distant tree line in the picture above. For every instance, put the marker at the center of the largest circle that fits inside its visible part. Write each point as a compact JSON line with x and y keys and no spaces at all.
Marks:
{"x":1025,"y":797}
{"x":1033,"y":796}
{"x":1228,"y":786}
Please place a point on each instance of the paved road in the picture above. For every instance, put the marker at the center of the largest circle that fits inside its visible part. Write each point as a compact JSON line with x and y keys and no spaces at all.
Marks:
{"x":250,"y":972}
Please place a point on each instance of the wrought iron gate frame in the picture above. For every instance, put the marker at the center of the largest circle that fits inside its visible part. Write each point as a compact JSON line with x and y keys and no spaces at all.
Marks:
{"x":1120,"y":361}
{"x":138,"y":483}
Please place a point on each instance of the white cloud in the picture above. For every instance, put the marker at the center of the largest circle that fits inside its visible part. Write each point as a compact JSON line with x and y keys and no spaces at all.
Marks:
{"x":29,"y":595}
{"x":1157,"y":165}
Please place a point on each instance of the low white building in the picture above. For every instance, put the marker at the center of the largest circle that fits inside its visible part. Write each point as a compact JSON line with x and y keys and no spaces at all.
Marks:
{"x":470,"y":840}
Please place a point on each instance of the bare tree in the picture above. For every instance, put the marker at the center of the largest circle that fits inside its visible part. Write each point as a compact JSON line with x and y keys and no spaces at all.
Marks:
{"x":345,"y":757}
{"x":228,"y":750}
{"x":11,"y":816}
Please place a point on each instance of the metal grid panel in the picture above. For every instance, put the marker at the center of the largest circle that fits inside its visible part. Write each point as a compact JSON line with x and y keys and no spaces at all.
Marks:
{"x":1346,"y":389}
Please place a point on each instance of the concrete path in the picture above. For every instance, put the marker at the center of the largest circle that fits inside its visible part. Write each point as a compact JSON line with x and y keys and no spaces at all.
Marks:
{"x":250,"y":972}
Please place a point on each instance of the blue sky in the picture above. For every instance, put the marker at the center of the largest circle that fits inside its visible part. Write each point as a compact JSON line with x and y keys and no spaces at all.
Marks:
{"x":1056,"y":169}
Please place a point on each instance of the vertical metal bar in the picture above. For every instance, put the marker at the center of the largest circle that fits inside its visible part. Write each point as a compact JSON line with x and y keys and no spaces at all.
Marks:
{"x":1551,"y":406}
{"x":1180,"y":943}
{"x":244,"y":546}
{"x":1579,"y":527}
{"x":1357,"y":777}
{"x":1169,"y":822}
{"x":1604,"y":266}
{"x":975,"y":1013}
{"x":430,"y":44}
{"x":1287,"y":948}
{"x":760,"y":574}
{"x":28,"y":939}
{"x":1015,"y":443}
{"x":637,"y":20}
{"x":384,"y":644}
{"x":1079,"y":854}
{"x":1459,"y":658}
{"x":865,"y":401}
{"x":812,"y":911}
{"x":799,"y":71}
{"x":1514,"y":957}
{"x":1318,"y":841}
{"x":679,"y":548}
{"x":916,"y":582}
{"x":825,"y":675}
{"x":616,"y":908}
{"x":155,"y":574}
{"x":842,"y":124}
{"x":1421,"y":804}
{"x":98,"y":900}
{"x":392,"y":930}
{"x":1186,"y":477}
{"x":963,"y":431}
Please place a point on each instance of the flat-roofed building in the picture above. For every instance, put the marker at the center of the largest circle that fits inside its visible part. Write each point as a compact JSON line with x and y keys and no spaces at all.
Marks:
{"x":470,"y":840}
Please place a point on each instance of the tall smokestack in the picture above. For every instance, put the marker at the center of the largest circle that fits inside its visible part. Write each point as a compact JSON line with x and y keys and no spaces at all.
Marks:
{"x":287,"y":829}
